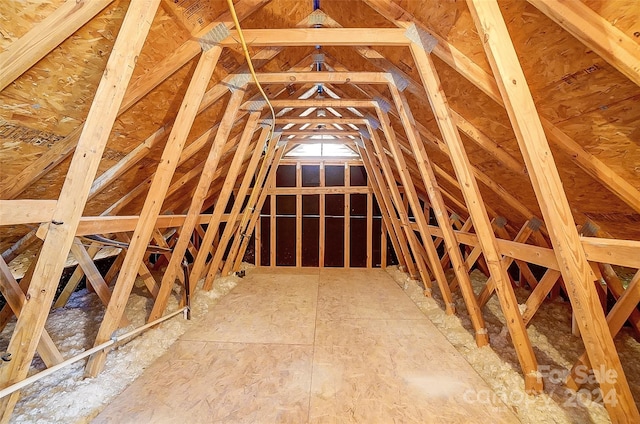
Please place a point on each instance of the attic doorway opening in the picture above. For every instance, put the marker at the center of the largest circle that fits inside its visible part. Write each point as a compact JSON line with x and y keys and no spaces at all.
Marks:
{"x":321,"y":213}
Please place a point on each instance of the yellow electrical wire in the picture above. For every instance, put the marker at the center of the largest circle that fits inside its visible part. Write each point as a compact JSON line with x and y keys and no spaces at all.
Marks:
{"x":253,"y":72}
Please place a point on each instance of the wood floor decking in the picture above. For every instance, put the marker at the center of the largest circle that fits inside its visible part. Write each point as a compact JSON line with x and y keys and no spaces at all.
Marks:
{"x":309,"y":345}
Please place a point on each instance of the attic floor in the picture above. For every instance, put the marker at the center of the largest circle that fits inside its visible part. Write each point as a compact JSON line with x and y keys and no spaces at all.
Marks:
{"x":310,"y":345}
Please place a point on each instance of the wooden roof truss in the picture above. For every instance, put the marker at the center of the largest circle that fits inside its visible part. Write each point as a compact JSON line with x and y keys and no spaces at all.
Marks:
{"x":396,"y":150}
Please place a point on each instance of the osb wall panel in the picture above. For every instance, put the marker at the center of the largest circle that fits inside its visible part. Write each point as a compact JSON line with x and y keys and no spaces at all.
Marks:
{"x":279,"y":14}
{"x":194,"y":15}
{"x":354,"y":14}
{"x":452,"y":21}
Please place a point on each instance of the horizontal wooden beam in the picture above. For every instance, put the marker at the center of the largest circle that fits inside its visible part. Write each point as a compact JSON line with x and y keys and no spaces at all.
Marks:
{"x":335,"y":140}
{"x":119,"y":224}
{"x":319,"y":36}
{"x":14,"y":212}
{"x":612,"y":251}
{"x":329,"y":120}
{"x":320,"y":132}
{"x":606,"y":251}
{"x":316,"y":160}
{"x":320,"y":190}
{"x":313,"y":102}
{"x":322,"y":77}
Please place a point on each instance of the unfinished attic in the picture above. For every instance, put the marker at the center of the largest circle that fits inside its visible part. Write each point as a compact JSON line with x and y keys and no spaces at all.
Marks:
{"x":320,"y":211}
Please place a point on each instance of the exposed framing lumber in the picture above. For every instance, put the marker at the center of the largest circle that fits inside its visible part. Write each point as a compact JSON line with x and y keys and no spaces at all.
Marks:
{"x":395,"y":225}
{"x":613,"y":45}
{"x":619,"y":314}
{"x":71,"y":202}
{"x":313,"y":102}
{"x":310,"y":132}
{"x":16,"y":299}
{"x":478,"y":213}
{"x":270,"y":182}
{"x":25,"y":52}
{"x":369,"y":228}
{"x":322,"y":77}
{"x":383,"y":203}
{"x":120,"y":224}
{"x":283,"y":120}
{"x":322,"y":230}
{"x":319,"y":36}
{"x":198,"y":198}
{"x":415,"y":88}
{"x":437,"y":204}
{"x":299,"y":216}
{"x":20,"y":246}
{"x":75,"y":279}
{"x":498,"y":189}
{"x":555,"y":208}
{"x":402,"y":213}
{"x":153,"y":203}
{"x":221,"y":204}
{"x":487,"y":84}
{"x":85,"y":261}
{"x":411,"y":200}
{"x":347,"y":218}
{"x":509,"y":199}
{"x":320,"y":190}
{"x":539,"y":293}
{"x":143,"y":187}
{"x":251,"y":207}
{"x":14,"y":212}
{"x":490,"y":286}
{"x":238,"y":202}
{"x":272,"y":229}
{"x":7,"y":312}
{"x":138,"y":88}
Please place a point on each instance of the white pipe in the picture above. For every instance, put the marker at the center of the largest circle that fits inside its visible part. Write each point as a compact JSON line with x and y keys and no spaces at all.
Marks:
{"x":19,"y":385}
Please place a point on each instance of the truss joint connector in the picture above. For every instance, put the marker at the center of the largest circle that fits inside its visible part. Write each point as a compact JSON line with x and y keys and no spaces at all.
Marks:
{"x":421,"y":37}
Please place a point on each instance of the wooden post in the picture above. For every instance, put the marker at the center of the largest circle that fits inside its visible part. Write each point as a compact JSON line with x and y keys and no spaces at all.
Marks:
{"x":257,"y":248}
{"x":272,"y":228}
{"x":153,"y":204}
{"x":568,"y":249}
{"x":437,"y":203}
{"x":198,"y":198}
{"x":347,"y":218}
{"x":478,"y":213}
{"x":73,"y":196}
{"x":298,"y":216}
{"x":322,"y":228}
{"x":369,"y":227}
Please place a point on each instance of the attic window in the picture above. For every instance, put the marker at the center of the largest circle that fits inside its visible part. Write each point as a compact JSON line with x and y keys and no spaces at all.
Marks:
{"x":322,"y":150}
